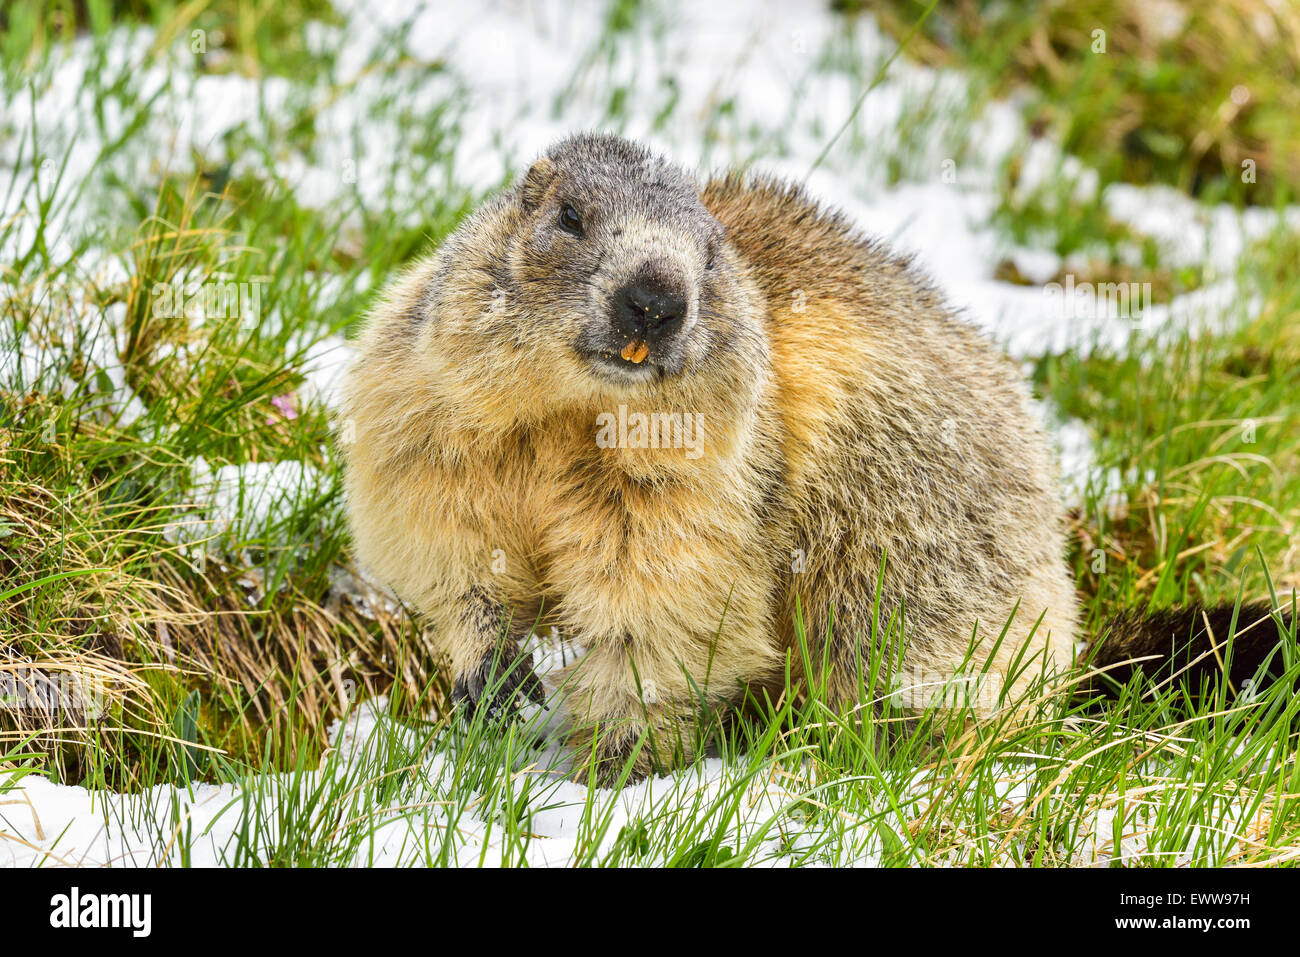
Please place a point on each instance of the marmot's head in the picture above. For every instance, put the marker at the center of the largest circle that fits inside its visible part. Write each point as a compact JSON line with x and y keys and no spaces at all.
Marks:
{"x":616,"y":272}
{"x":621,"y":258}
{"x":601,"y":278}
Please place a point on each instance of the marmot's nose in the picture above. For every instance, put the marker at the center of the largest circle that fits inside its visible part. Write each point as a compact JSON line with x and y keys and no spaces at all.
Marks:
{"x":651,"y":307}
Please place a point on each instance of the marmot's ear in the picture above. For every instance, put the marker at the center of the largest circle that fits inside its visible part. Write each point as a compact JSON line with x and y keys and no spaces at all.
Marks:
{"x":536,"y":182}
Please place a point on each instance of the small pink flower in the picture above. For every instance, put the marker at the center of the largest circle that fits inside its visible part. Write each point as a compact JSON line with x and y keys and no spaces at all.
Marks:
{"x":284,"y":405}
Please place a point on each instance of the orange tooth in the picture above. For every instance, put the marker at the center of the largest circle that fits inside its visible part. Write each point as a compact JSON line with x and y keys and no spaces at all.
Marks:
{"x":635,"y":351}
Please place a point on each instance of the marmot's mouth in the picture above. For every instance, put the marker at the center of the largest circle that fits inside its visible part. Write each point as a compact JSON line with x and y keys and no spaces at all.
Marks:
{"x":635,"y":351}
{"x":632,"y":365}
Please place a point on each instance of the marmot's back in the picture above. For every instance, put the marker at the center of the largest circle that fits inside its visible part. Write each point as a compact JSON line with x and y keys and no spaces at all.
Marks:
{"x":909,"y":435}
{"x":792,"y":242}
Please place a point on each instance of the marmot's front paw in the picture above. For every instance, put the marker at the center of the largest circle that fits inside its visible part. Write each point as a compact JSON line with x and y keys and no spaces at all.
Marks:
{"x":497,"y":684}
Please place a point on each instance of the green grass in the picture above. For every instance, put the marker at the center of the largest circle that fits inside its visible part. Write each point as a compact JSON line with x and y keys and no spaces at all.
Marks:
{"x":1202,"y":100}
{"x":1205,"y":431}
{"x":227,"y":652}
{"x":84,"y":487}
{"x":1151,"y":776}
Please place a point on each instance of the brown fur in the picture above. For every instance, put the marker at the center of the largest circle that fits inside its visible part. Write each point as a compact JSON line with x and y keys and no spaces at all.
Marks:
{"x":848,"y":417}
{"x":1197,"y":646}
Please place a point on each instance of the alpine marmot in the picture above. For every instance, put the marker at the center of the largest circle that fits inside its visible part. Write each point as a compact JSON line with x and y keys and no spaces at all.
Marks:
{"x":672,"y":421}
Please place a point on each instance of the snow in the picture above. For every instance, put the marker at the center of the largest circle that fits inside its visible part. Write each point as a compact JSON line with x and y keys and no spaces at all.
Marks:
{"x":45,"y":824}
{"x":234,"y":506}
{"x":66,"y":325}
{"x":323,"y":367}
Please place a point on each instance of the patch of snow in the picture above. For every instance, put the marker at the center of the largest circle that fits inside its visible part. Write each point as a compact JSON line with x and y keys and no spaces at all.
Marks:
{"x":233,"y":505}
{"x":68,"y":330}
{"x":323,"y":367}
{"x":47,"y":824}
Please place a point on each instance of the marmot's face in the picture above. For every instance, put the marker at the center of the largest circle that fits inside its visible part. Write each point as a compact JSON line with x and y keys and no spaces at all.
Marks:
{"x":621,"y":259}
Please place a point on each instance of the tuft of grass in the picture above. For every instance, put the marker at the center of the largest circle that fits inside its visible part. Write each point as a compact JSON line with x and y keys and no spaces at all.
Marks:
{"x":1199,"y":443}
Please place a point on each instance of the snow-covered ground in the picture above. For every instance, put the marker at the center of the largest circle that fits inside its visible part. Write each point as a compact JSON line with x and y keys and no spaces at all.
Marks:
{"x":519,"y":75}
{"x":49,"y":824}
{"x":45,"y":824}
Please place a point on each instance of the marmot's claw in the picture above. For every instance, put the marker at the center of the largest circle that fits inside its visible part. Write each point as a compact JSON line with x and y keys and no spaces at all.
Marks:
{"x":498,"y":691}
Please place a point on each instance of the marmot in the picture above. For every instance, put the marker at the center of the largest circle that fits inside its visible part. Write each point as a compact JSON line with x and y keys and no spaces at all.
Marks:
{"x":670,"y":420}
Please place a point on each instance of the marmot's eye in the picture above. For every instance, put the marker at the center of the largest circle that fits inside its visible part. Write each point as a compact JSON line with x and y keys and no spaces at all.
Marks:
{"x":570,"y":221}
